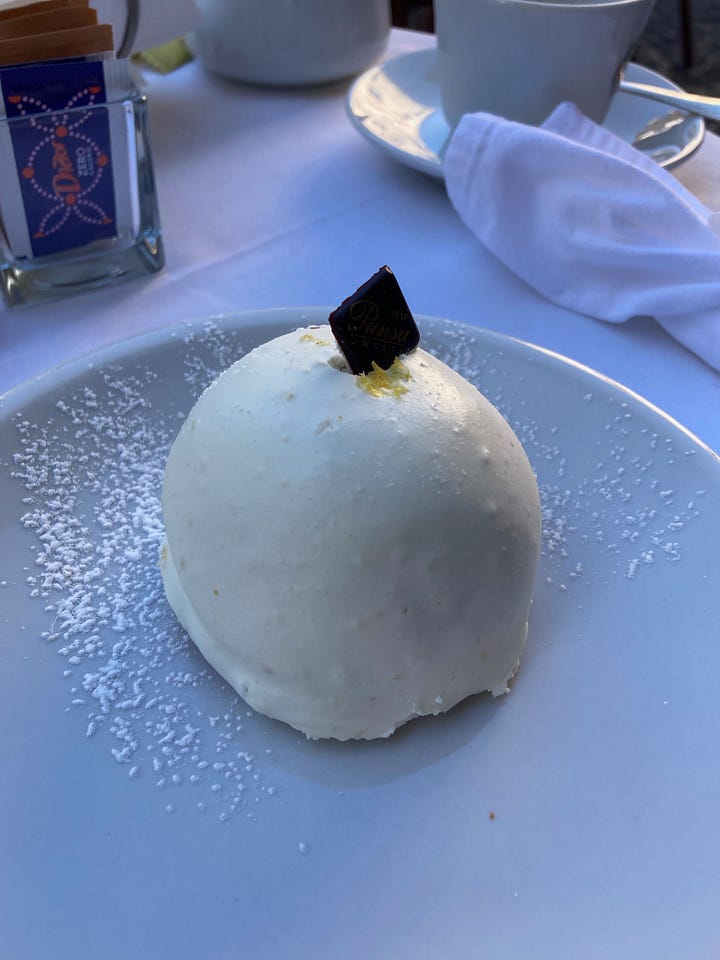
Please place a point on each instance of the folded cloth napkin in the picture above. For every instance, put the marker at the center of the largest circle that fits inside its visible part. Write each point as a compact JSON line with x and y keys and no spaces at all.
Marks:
{"x":590,"y":222}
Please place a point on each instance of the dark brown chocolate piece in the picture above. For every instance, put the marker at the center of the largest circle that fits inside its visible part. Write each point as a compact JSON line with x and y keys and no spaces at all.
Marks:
{"x":375,"y":324}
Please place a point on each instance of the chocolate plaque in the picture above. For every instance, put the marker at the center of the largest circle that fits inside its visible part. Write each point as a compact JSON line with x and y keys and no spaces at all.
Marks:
{"x":375,"y":324}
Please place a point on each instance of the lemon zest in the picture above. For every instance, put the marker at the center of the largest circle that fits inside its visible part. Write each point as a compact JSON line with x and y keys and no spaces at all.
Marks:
{"x":385,"y":383}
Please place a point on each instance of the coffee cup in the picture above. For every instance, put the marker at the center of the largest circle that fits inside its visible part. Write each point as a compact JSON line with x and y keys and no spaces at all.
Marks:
{"x":520,"y":58}
{"x":290,"y":42}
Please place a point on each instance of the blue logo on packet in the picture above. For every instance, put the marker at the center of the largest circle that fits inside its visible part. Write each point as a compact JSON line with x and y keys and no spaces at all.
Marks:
{"x":61,"y":141}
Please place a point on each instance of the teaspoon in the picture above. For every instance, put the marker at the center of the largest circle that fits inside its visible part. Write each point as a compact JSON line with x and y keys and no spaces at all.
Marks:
{"x":692,"y":102}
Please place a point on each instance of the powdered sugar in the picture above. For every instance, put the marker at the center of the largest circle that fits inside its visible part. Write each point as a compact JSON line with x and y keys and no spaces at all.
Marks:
{"x":93,"y":477}
{"x":628,"y":517}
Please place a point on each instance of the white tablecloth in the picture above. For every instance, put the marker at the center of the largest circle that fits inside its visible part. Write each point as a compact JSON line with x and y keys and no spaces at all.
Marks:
{"x":271,"y":198}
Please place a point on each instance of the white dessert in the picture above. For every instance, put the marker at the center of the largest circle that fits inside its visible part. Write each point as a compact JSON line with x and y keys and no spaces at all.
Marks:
{"x":350,"y":552}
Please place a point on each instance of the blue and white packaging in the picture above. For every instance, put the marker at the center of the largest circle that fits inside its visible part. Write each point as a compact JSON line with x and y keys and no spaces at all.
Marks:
{"x":67,"y":163}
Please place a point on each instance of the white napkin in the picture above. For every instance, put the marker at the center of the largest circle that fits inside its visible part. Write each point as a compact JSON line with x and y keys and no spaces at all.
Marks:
{"x":590,"y":222}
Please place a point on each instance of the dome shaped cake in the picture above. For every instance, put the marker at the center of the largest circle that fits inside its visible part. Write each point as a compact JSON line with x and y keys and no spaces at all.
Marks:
{"x":350,"y":551}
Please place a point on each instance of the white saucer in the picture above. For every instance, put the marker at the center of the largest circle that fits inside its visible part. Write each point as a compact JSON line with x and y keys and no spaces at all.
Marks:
{"x":396,"y":105}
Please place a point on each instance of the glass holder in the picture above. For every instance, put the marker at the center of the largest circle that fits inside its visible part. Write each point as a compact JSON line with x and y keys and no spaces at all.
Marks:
{"x":78,"y":200}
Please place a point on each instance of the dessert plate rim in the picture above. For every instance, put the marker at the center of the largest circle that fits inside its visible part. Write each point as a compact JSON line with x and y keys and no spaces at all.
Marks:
{"x":19,"y":394}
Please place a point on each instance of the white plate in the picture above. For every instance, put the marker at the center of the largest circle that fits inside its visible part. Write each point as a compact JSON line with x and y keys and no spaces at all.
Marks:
{"x":576,"y":817}
{"x":396,"y":105}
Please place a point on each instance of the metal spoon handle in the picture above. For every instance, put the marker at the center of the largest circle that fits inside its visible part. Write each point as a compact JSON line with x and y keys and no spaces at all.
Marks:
{"x":692,"y":102}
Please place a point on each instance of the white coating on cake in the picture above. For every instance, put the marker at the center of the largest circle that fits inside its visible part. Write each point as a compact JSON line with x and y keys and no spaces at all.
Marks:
{"x":350,"y":559}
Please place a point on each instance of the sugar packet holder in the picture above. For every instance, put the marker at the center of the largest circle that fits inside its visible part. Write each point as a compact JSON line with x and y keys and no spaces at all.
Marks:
{"x":77,"y":194}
